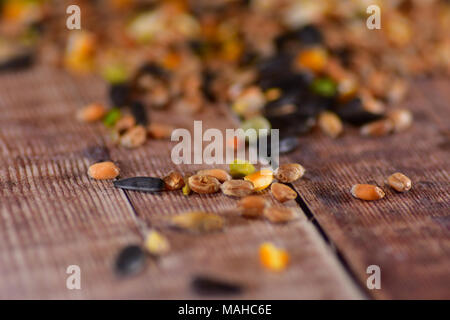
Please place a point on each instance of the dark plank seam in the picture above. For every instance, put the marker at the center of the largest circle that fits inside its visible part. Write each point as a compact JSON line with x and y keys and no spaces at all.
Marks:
{"x":329,"y":242}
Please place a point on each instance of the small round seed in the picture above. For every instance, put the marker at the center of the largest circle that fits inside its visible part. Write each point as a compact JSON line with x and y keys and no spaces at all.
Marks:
{"x":399,"y":182}
{"x":219,"y":174}
{"x":237,"y":188}
{"x":290,"y":172}
{"x":402,"y":119}
{"x":367,"y":192}
{"x":125,"y":123}
{"x":282,"y":192}
{"x":377,"y":128}
{"x":252,"y":206}
{"x":330,"y":124}
{"x":103,"y":170}
{"x":260,"y":179}
{"x":280,"y":214}
{"x":134,"y":137}
{"x":156,"y":243}
{"x":160,"y":130}
{"x":91,"y":113}
{"x":203,"y":184}
{"x":130,"y":260}
{"x":174,"y":181}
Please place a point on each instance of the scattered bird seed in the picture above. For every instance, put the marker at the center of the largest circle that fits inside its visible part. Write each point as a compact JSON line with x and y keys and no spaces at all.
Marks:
{"x":402,"y":119}
{"x":272,"y":257}
{"x":156,"y":243}
{"x":139,"y":113}
{"x":112,"y":117}
{"x":260,"y":179}
{"x":131,"y":260}
{"x":282,"y":192}
{"x":252,"y":206}
{"x":198,"y":222}
{"x":119,"y":94}
{"x":241,"y":168}
{"x":160,"y":130}
{"x":367,"y":192}
{"x":399,"y":182}
{"x":378,"y":128}
{"x":354,"y":112}
{"x":290,"y":172}
{"x":103,"y":170}
{"x":16,"y":60}
{"x":204,"y":184}
{"x":186,"y":189}
{"x":237,"y":188}
{"x":174,"y":181}
{"x":281,"y":214}
{"x":204,"y":285}
{"x":91,"y":113}
{"x":125,"y":123}
{"x":146,"y":184}
{"x":219,"y":174}
{"x":330,"y":124}
{"x":288,"y":144}
{"x":134,"y":137}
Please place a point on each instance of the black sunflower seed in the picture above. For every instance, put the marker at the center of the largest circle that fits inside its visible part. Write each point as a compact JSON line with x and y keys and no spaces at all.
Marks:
{"x":146,"y":184}
{"x":309,"y":35}
{"x":207,"y":79}
{"x":119,"y":94}
{"x":130,"y":260}
{"x":353,"y":112}
{"x":19,"y":61}
{"x":97,"y":154}
{"x":205,"y":285}
{"x":152,"y":69}
{"x":288,"y":144}
{"x":139,"y":113}
{"x":292,"y":125}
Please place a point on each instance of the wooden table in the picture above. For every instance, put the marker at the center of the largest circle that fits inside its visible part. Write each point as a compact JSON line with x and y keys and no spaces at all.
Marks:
{"x":53,"y":215}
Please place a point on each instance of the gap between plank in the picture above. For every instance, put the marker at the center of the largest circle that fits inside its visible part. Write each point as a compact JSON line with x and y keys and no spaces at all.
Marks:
{"x":341,"y":259}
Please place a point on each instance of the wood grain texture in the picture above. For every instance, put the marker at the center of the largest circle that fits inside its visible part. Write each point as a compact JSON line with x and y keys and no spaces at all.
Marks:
{"x":314,"y":272}
{"x":407,"y":234}
{"x":52,"y":215}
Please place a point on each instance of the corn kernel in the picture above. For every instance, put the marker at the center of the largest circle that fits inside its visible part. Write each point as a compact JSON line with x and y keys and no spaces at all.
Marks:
{"x":156,"y":243}
{"x":273,"y":258}
{"x":314,"y":59}
{"x":260,"y":179}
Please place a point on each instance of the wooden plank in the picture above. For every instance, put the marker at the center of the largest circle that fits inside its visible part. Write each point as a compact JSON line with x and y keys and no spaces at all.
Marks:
{"x":52,"y":215}
{"x":314,"y":272}
{"x":406,"y":235}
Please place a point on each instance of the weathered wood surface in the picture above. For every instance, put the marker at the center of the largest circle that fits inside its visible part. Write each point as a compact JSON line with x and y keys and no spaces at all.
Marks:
{"x":52,"y":215}
{"x":406,"y":235}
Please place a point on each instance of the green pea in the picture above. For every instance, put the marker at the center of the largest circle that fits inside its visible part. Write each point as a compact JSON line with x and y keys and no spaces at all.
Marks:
{"x":111,"y":117}
{"x":241,"y":168}
{"x":324,"y":87}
